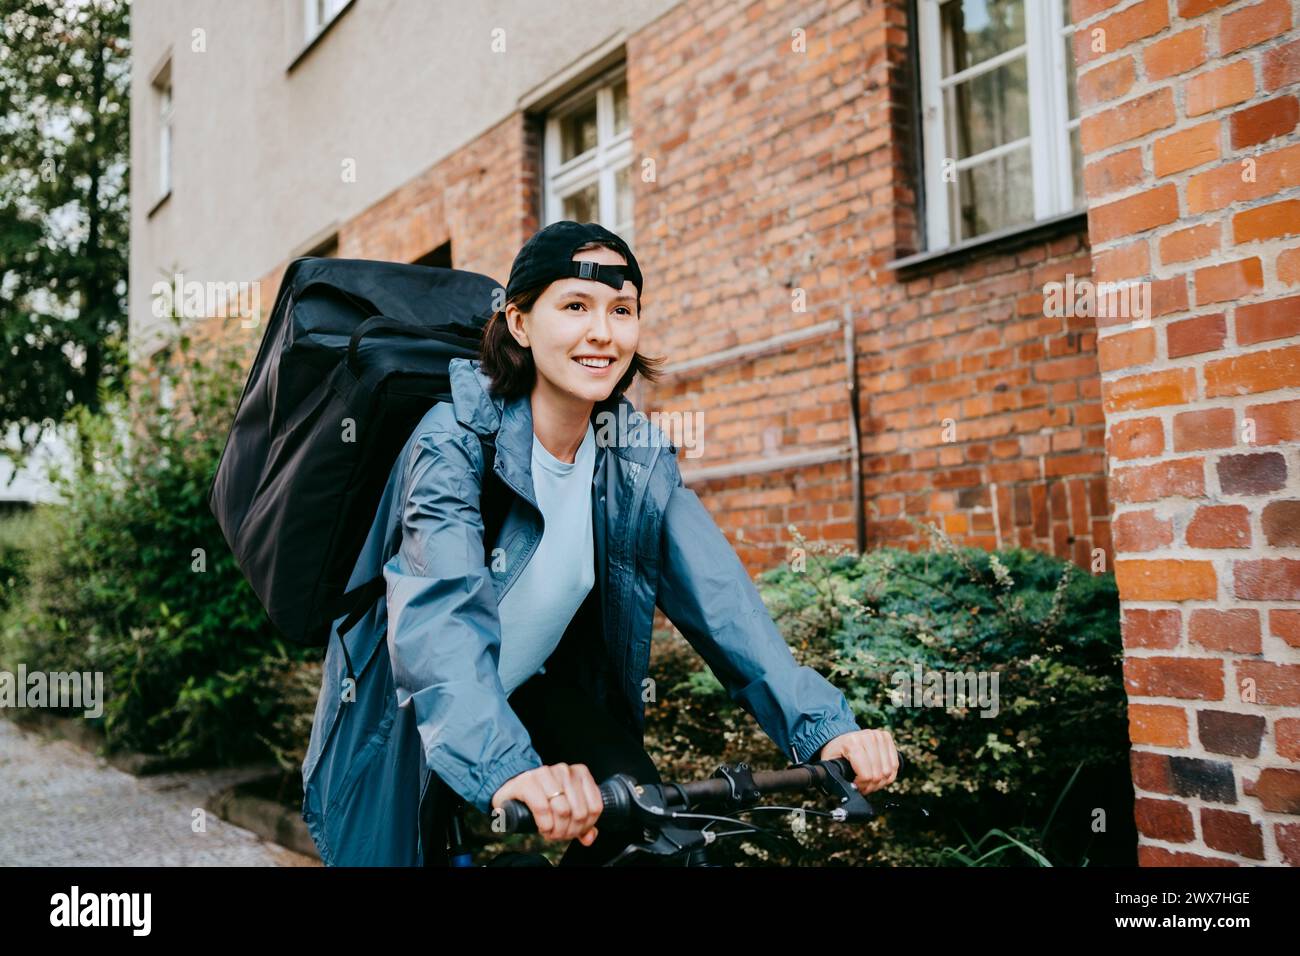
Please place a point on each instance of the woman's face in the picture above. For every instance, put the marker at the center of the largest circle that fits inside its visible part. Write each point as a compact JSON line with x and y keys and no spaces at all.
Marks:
{"x":581,"y":318}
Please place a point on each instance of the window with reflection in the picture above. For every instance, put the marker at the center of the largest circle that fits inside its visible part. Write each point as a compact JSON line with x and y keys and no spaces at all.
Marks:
{"x":1000,"y":116}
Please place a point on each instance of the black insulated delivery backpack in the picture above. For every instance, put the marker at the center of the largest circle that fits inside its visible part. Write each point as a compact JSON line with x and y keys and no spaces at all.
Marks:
{"x":353,"y":355}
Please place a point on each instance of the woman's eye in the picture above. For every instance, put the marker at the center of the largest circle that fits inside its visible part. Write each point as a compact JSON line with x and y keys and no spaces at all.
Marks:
{"x":622,"y":309}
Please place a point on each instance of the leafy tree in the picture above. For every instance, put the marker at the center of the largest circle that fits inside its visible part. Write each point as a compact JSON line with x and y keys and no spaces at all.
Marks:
{"x":64,"y":219}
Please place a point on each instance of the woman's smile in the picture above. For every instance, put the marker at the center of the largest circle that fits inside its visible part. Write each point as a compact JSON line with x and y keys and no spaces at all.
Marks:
{"x":597,"y":366}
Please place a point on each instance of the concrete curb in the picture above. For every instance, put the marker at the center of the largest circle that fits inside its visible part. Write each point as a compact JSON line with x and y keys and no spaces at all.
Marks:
{"x":268,"y":819}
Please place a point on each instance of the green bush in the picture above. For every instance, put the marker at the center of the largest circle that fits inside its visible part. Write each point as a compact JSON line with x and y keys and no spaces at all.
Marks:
{"x":17,"y":531}
{"x":132,"y":576}
{"x":1049,"y":631}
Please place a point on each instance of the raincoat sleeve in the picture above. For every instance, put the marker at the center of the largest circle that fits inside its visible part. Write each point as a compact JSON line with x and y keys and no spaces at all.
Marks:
{"x":706,"y":592}
{"x":444,"y":632}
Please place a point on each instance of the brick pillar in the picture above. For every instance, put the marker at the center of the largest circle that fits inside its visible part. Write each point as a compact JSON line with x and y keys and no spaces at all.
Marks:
{"x":1192,"y":167}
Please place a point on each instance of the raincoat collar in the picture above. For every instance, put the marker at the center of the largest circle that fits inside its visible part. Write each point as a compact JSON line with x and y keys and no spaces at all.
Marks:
{"x":511,"y":420}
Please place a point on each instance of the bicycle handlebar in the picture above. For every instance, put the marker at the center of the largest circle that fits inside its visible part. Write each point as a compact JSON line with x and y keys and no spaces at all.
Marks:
{"x":624,"y":800}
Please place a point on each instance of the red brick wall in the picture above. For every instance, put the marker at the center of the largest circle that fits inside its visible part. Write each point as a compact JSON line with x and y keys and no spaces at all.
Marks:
{"x":778,"y":171}
{"x":1190,"y":131}
{"x":1020,"y":391}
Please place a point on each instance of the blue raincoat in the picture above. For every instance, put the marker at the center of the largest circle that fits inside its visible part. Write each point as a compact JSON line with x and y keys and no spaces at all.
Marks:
{"x":427,"y":696}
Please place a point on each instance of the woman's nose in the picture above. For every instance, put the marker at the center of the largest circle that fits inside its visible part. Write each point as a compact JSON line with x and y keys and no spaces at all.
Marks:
{"x":599,"y":328}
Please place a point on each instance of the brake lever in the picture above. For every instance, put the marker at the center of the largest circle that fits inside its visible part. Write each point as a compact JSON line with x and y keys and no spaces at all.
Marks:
{"x":852,"y":804}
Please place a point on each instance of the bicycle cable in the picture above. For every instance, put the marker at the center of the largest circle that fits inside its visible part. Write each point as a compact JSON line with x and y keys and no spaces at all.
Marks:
{"x":748,"y":826}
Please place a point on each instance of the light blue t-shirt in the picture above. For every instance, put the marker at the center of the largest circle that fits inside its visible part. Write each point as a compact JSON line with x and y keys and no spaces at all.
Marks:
{"x":537,"y":609}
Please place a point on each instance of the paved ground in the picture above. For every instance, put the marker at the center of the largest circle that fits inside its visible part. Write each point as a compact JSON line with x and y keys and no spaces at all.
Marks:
{"x":63,"y":806}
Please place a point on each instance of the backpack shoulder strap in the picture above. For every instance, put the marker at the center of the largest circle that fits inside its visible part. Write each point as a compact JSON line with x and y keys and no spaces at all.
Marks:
{"x":493,"y":497}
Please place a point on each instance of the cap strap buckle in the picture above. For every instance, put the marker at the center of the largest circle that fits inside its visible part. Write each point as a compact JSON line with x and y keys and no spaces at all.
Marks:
{"x":612,"y":275}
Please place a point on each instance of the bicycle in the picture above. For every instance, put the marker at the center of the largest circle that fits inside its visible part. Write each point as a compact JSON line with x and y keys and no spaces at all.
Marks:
{"x":672,"y":816}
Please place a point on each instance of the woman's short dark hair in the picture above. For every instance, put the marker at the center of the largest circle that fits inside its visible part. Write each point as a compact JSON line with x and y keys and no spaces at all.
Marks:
{"x":510,"y":365}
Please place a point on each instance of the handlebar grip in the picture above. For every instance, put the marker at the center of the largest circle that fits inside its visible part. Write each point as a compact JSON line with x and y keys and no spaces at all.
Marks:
{"x":516,"y":817}
{"x":846,"y":768}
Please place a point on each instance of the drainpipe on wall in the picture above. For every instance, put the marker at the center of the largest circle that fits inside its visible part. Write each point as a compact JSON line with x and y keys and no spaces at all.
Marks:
{"x":851,"y":383}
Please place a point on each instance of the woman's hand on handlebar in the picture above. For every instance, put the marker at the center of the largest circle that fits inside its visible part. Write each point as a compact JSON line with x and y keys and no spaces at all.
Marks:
{"x":570,"y":815}
{"x":872,"y":754}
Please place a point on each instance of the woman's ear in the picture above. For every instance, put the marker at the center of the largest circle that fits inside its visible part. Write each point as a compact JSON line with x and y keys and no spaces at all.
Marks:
{"x":515,"y":324}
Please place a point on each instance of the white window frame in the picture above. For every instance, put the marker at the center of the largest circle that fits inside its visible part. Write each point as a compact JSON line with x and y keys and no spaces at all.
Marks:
{"x":166,"y":112}
{"x":315,"y":21}
{"x":600,"y":164}
{"x":1049,"y":124}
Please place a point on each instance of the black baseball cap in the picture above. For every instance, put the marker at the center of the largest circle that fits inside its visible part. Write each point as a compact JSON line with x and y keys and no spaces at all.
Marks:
{"x":548,"y":256}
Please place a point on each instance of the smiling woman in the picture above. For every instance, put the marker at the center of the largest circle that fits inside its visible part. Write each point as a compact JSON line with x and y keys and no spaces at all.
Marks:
{"x":564,"y":340}
{"x":520,"y":598}
{"x":531,"y":332}
{"x":578,"y":336}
